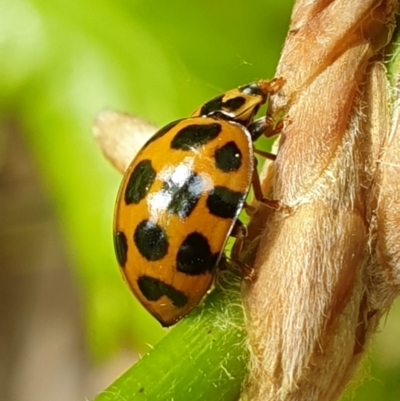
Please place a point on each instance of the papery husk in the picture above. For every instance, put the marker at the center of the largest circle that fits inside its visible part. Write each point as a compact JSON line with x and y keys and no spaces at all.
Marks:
{"x":327,"y":266}
{"x":120,"y":136}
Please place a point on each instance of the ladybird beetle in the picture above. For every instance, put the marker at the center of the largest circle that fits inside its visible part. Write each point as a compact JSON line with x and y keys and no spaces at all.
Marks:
{"x":180,"y":199}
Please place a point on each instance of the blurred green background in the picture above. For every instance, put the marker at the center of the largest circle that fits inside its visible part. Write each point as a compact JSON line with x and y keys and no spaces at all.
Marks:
{"x":65,"y":311}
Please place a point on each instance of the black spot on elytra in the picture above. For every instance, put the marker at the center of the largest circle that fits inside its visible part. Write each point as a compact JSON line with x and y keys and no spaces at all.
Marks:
{"x":121,"y":247}
{"x":140,"y":181}
{"x":194,"y":255}
{"x":195,"y":135}
{"x":151,"y":240}
{"x":225,"y":203}
{"x":161,"y":132}
{"x":184,"y":194}
{"x":228,"y":158}
{"x":153,"y":289}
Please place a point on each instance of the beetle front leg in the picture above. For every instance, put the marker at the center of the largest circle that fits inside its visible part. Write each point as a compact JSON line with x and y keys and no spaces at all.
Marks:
{"x":258,"y":194}
{"x":265,"y":126}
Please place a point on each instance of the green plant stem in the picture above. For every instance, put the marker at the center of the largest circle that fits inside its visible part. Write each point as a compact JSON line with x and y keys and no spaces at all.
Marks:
{"x":202,"y":358}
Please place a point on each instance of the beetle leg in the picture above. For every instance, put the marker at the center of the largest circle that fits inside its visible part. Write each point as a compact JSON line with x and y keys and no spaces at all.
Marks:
{"x":239,"y":231}
{"x":267,"y":155}
{"x":249,"y":209}
{"x":273,"y":204}
{"x":265,"y":126}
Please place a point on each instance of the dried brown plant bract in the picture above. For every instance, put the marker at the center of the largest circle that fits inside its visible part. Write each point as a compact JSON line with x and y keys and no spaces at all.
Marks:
{"x":121,"y":136}
{"x":385,"y":233}
{"x":330,"y":269}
